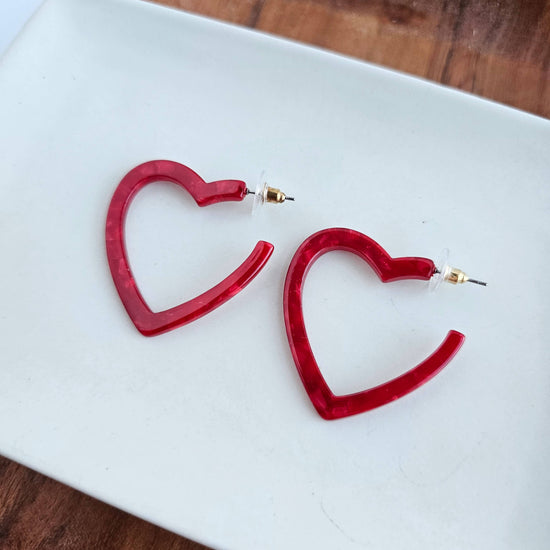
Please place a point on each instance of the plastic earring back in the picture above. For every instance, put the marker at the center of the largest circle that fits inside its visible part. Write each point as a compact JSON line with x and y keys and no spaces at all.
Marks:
{"x":264,"y":194}
{"x":151,"y":323}
{"x":444,"y":272}
{"x":388,"y":269}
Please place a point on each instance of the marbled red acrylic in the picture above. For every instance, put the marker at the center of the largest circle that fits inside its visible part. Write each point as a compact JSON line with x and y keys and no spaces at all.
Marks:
{"x":388,"y":269}
{"x":151,"y":323}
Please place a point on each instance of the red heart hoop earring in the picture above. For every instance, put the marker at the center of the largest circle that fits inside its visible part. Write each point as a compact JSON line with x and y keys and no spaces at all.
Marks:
{"x":388,"y":269}
{"x":151,"y":323}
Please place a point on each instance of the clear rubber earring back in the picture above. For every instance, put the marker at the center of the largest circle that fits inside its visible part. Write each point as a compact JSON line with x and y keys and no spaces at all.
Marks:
{"x":453,"y":275}
{"x":266,"y":194}
{"x":260,"y":193}
{"x":442,"y":270}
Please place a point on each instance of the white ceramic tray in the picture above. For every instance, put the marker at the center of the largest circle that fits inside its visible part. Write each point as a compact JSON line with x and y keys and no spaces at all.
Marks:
{"x":207,"y":430}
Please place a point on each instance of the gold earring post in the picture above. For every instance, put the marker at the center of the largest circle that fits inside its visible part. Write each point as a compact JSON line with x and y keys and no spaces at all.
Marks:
{"x":457,"y":277}
{"x":270,"y":194}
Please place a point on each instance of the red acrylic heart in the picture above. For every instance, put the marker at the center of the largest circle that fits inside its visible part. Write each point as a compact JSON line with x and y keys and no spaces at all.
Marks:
{"x":388,"y":269}
{"x":151,"y":323}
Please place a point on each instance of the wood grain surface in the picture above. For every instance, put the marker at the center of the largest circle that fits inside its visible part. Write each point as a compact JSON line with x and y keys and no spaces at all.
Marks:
{"x":496,"y":49}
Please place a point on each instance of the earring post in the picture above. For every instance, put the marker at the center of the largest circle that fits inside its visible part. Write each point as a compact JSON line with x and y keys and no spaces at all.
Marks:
{"x":476,"y":282}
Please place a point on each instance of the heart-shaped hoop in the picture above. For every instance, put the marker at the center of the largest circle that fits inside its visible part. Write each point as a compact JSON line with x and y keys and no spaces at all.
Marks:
{"x":388,"y":269}
{"x":151,"y":323}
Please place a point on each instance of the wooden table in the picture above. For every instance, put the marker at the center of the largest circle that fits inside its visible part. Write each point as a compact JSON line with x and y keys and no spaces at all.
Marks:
{"x":496,"y":49}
